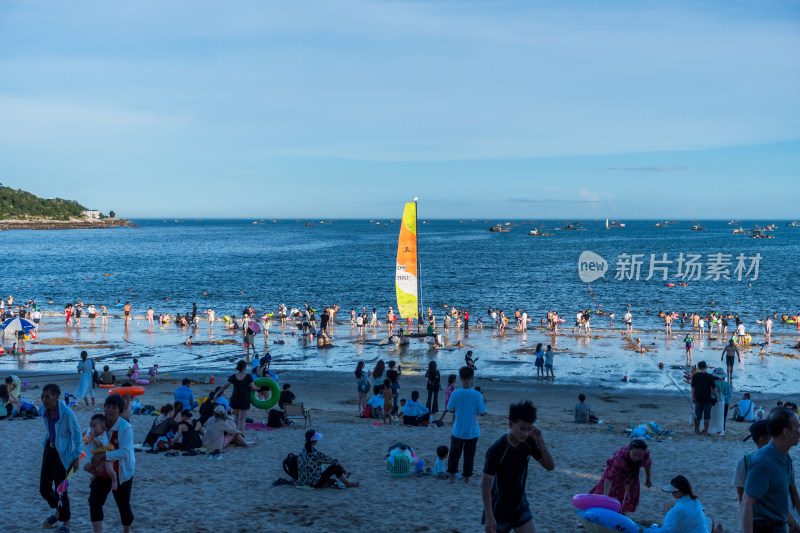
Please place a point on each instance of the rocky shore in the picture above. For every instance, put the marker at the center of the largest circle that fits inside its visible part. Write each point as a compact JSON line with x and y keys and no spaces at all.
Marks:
{"x":73,"y":223}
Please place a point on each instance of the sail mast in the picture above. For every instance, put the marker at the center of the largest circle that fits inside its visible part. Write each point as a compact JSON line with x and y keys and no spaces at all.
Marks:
{"x":419,"y":271}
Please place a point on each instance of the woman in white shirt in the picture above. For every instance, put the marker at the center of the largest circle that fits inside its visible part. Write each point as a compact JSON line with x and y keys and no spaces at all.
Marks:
{"x":686,"y":515}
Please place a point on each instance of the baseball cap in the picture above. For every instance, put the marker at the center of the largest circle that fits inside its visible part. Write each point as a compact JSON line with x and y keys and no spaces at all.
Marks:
{"x":758,"y":429}
{"x":220,"y":409}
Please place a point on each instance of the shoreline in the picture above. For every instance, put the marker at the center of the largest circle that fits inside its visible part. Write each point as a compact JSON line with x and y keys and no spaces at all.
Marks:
{"x":607,"y":360}
{"x":46,"y":224}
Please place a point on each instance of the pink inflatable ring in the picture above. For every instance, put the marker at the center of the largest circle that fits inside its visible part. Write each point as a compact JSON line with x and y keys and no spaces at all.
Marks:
{"x":589,"y":501}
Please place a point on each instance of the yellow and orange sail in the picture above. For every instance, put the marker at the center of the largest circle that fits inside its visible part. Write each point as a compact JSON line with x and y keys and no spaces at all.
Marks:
{"x":405,"y":280}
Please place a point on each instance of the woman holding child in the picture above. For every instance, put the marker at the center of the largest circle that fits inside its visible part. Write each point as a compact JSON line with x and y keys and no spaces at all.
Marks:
{"x":621,"y":477}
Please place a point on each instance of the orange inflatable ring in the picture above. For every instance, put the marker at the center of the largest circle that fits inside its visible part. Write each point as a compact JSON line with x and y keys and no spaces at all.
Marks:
{"x":105,"y":386}
{"x":127,"y":391}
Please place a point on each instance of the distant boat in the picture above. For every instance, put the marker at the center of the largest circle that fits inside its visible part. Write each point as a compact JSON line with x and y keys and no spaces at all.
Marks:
{"x":698,"y":227}
{"x":574,"y":227}
{"x":740,"y":231}
{"x":793,"y":225}
{"x":733,"y":222}
{"x":759,"y":233}
{"x":499,"y":228}
{"x":615,"y":224}
{"x":535,"y":232}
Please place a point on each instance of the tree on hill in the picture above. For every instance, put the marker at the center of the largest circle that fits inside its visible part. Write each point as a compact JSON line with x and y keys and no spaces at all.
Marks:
{"x":22,"y":204}
{"x":112,"y":214}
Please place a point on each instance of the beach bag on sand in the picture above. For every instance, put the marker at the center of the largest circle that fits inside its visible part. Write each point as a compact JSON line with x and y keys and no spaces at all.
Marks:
{"x":290,"y":466}
{"x":366,"y":412}
{"x":275,"y":419}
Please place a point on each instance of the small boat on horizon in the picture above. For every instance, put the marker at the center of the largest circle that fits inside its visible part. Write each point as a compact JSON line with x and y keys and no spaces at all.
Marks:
{"x":697,"y":227}
{"x":499,"y":228}
{"x":759,"y":233}
{"x":739,"y":231}
{"x":535,"y":232}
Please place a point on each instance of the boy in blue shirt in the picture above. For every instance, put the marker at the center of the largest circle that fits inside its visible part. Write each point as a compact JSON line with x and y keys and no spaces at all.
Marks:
{"x":467,"y":404}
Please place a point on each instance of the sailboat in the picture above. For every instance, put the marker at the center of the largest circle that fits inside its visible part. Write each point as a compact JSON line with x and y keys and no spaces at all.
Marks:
{"x":606,"y":223}
{"x":406,"y":278}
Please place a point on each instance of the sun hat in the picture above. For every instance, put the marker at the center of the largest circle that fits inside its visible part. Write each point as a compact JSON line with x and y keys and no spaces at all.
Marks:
{"x":758,"y":429}
{"x":678,"y":483}
{"x":312,"y":435}
{"x":719,"y":373}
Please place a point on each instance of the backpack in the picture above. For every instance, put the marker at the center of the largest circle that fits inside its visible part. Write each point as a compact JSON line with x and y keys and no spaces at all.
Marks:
{"x":434,"y":380}
{"x":275,"y":419}
{"x":366,"y":412}
{"x":290,"y":466}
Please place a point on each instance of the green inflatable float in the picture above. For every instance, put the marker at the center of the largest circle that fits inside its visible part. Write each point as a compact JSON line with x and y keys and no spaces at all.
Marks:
{"x":275,"y":394}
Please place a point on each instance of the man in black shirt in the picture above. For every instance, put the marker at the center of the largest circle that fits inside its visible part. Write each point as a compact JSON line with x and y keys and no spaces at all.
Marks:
{"x":704,"y":395}
{"x":505,"y":472}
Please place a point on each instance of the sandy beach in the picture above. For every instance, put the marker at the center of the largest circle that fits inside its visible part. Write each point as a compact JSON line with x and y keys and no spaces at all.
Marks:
{"x":194,"y":494}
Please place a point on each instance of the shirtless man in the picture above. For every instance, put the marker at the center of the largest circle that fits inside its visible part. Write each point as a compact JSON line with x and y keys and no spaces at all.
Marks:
{"x":729,"y":352}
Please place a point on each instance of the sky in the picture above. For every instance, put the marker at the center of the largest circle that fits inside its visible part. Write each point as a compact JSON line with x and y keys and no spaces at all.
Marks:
{"x":347,"y":109}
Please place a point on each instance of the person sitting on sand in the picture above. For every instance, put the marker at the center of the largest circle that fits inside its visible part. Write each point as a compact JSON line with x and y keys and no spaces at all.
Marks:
{"x":188,"y":342}
{"x":582,"y":410}
{"x":220,"y":432}
{"x":6,"y":407}
{"x":745,"y":409}
{"x":686,"y":514}
{"x":107,"y":377}
{"x":287,"y":396}
{"x":185,"y":395}
{"x":310,"y":461}
{"x":162,"y":425}
{"x":414,"y":413}
{"x":187,"y":438}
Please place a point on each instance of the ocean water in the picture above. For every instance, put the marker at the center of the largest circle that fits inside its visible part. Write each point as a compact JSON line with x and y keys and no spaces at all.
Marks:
{"x":352,"y":263}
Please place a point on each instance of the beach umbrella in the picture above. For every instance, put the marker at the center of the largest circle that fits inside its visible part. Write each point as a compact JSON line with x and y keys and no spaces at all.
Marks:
{"x":17,"y":324}
{"x":254,"y":327}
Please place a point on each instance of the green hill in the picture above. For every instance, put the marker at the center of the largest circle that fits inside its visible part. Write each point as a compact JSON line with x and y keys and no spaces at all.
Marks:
{"x":22,"y":204}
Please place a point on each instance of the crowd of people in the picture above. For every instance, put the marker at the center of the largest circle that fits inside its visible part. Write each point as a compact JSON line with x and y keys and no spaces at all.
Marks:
{"x":763,"y":479}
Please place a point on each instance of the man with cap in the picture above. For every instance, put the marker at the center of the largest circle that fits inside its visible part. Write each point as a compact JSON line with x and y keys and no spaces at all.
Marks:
{"x":704,"y":395}
{"x":62,"y":450}
{"x":769,"y":484}
{"x":760,"y":436}
{"x":729,"y":352}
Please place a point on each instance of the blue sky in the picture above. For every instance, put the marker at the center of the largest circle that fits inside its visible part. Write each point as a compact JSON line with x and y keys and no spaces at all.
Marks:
{"x":345,"y":109}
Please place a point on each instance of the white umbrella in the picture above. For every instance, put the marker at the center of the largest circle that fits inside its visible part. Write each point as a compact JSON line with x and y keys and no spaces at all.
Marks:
{"x":17,"y":324}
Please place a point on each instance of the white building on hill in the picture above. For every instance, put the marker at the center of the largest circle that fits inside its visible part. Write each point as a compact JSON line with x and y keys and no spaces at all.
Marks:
{"x":91,"y":214}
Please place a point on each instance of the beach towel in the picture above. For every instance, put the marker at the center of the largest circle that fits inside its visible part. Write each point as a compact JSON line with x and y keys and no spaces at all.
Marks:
{"x":258,"y":426}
